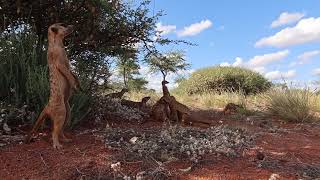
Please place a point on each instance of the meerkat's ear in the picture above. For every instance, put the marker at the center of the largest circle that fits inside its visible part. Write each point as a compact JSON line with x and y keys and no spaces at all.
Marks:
{"x":54,"y":29}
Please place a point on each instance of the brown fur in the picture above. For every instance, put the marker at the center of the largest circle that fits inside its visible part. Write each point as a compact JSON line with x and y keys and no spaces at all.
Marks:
{"x":231,"y":108}
{"x":165,"y":89}
{"x":133,"y":104}
{"x":62,"y":84}
{"x":118,"y":95}
{"x":159,"y":110}
{"x":177,"y":110}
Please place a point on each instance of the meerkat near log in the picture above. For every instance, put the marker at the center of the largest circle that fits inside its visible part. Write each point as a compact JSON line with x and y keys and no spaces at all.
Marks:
{"x":177,"y":110}
{"x":118,"y":95}
{"x":231,"y":108}
{"x":138,"y":105}
{"x":62,"y":84}
{"x":159,"y":110}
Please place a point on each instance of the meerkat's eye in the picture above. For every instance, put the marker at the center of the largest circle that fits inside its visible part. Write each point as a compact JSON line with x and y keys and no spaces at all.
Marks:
{"x":54,"y":29}
{"x":63,"y":24}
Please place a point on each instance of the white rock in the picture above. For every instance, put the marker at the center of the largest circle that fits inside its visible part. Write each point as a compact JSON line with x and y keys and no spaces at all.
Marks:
{"x":133,"y":140}
{"x":6,"y":127}
{"x":140,"y":175}
{"x":116,"y":166}
{"x":274,"y":177}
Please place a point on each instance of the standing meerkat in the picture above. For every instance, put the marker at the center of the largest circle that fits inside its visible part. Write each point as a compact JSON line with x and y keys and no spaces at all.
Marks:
{"x":118,"y":95}
{"x":62,"y":84}
{"x":165,"y":89}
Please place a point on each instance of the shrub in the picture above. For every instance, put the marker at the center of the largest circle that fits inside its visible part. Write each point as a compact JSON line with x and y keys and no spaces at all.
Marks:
{"x":23,"y":74}
{"x":222,"y":79}
{"x":293,"y":105}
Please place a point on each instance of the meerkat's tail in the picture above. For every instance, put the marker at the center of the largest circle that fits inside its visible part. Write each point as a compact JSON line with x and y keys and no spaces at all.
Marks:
{"x":43,"y":115}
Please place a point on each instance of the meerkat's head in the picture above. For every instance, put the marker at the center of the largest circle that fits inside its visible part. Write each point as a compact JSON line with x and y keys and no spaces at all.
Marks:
{"x":124,"y":90}
{"x":164,"y":82}
{"x":60,"y":30}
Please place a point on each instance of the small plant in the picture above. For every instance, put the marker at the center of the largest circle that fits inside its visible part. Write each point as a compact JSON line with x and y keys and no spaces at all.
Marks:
{"x":224,"y":79}
{"x":294,"y":105}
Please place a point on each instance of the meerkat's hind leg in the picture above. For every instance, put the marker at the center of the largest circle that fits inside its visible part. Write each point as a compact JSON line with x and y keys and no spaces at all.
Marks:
{"x":68,"y":113}
{"x":43,"y":115}
{"x":58,"y":120}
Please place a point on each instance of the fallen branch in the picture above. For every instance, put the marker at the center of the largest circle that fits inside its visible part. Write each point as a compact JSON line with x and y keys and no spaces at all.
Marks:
{"x":43,"y":160}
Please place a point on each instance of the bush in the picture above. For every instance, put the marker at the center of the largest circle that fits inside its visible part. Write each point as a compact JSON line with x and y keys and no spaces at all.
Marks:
{"x":294,"y":105}
{"x":224,"y":79}
{"x":23,"y":74}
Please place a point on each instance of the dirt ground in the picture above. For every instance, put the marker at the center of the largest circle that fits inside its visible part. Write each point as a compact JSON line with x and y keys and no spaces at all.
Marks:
{"x":281,"y":151}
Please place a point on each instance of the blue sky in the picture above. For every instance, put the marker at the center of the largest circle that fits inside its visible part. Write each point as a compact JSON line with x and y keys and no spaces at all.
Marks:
{"x":279,"y":39}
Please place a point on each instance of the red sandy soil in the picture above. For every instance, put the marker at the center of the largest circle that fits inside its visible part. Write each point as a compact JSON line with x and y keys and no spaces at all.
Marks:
{"x":87,"y":157}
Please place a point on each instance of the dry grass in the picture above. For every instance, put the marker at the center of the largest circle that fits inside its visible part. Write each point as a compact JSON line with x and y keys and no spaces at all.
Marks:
{"x":212,"y":100}
{"x":295,"y":105}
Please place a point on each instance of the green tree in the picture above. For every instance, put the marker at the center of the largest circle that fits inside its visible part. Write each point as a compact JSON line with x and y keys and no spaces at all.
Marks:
{"x":170,"y":62}
{"x":127,"y":66}
{"x":137,"y":84}
{"x":103,"y":30}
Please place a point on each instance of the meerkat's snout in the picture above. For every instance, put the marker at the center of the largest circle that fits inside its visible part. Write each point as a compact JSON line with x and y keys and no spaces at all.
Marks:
{"x":69,"y":30}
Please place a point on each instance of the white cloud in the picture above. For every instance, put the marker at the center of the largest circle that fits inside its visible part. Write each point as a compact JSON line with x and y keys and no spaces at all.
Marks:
{"x":287,"y":18}
{"x":307,"y":30}
{"x":276,"y":75}
{"x":307,"y":56}
{"x":225,"y":64}
{"x":265,"y":59}
{"x":195,"y":28}
{"x":258,"y":63}
{"x":240,"y":63}
{"x":316,"y":72}
{"x":165,"y":29}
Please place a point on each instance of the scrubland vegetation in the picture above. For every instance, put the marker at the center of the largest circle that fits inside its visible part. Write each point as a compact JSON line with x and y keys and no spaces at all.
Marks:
{"x":115,"y":40}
